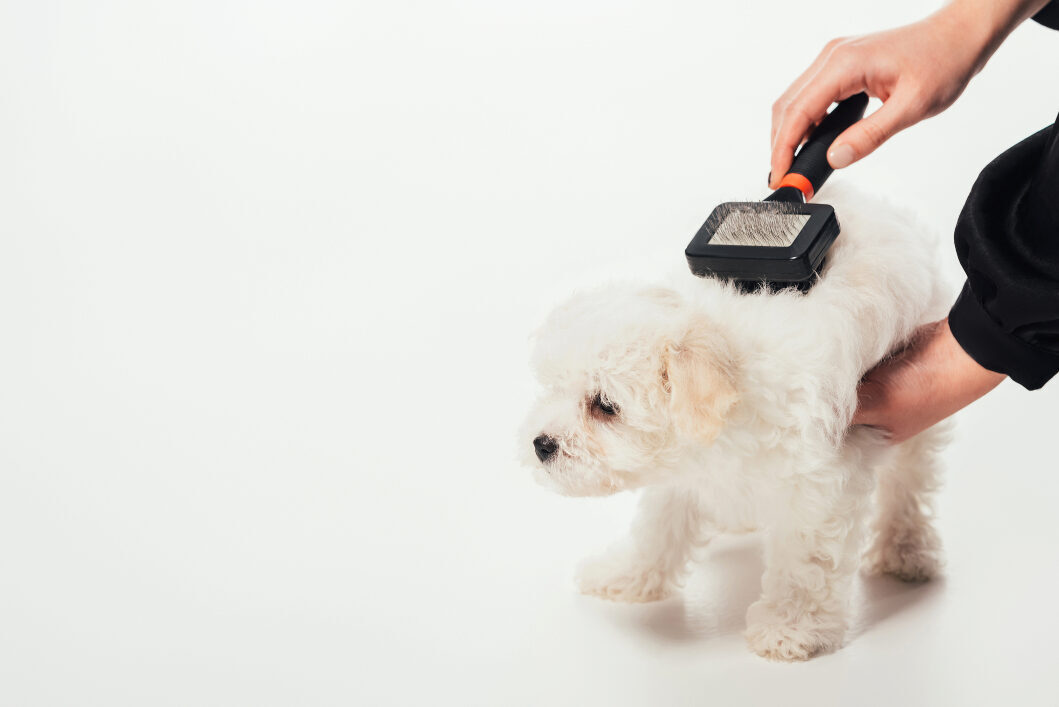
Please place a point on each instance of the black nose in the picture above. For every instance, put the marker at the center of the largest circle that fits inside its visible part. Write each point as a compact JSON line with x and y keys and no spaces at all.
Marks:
{"x":545,"y":447}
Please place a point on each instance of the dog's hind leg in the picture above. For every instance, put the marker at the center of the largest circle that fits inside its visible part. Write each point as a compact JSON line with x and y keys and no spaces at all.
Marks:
{"x":811,"y":556}
{"x":906,"y":544}
{"x":670,"y":525}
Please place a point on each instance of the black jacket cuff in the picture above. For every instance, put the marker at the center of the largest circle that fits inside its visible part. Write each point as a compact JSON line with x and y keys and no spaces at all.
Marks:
{"x":1049,"y":15}
{"x":993,"y":348}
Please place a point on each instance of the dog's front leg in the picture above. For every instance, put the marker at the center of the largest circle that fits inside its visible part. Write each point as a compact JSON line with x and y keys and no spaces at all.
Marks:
{"x":669,"y":526}
{"x":811,"y":555}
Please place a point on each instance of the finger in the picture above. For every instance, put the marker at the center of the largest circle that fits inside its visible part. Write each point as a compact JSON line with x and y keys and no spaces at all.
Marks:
{"x":783,"y":101}
{"x":808,"y":108}
{"x":798,"y":84}
{"x":863,"y":415}
{"x":867,"y":135}
{"x":871,"y":399}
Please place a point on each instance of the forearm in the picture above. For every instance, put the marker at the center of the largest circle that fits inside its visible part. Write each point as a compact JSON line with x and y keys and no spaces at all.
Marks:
{"x":987,"y":23}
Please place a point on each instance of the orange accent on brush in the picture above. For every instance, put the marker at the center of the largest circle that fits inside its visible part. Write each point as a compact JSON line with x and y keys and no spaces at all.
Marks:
{"x":800,"y":183}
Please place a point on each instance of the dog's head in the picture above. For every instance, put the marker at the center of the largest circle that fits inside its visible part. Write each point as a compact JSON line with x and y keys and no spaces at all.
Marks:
{"x":631,"y":377}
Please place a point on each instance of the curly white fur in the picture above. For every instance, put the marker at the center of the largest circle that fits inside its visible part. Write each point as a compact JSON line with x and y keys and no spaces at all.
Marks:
{"x":733,"y":411}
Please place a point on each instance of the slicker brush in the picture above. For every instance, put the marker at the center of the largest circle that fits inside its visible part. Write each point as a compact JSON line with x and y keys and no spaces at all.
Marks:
{"x":782,"y":241}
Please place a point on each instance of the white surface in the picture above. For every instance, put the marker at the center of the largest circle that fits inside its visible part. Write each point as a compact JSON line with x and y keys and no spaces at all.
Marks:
{"x":266,"y":275}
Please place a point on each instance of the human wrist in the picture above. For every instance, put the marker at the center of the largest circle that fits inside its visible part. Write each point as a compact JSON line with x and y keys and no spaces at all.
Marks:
{"x":969,"y":380}
{"x":984,"y":24}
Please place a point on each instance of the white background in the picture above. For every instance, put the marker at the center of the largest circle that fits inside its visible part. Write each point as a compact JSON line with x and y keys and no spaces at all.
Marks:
{"x":267,"y":271}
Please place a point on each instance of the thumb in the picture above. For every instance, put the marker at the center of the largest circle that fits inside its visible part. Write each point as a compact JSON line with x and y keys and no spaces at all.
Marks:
{"x":866,"y":135}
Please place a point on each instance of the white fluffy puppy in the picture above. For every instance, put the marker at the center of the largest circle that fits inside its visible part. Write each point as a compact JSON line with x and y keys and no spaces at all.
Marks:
{"x":732,"y":411}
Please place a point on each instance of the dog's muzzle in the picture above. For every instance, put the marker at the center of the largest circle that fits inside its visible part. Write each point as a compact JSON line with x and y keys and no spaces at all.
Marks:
{"x":545,"y":447}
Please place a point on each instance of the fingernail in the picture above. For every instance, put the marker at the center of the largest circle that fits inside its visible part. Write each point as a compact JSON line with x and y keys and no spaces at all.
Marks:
{"x":840,"y":156}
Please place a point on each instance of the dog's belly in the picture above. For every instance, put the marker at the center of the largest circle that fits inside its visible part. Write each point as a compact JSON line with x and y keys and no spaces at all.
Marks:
{"x":735,"y":499}
{"x":743,"y":495}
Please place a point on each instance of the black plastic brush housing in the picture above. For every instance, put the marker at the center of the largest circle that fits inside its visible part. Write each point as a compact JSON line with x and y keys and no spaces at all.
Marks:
{"x":782,"y":241}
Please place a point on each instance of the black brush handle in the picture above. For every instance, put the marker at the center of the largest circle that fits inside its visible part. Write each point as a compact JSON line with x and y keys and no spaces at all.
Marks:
{"x":811,"y":160}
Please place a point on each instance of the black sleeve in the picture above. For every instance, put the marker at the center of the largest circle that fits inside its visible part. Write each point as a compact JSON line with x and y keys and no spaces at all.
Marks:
{"x":1007,"y":239}
{"x":1049,"y":15}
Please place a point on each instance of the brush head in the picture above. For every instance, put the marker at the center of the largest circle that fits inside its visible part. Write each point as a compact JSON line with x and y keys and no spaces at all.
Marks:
{"x":774,"y":243}
{"x":780,"y":242}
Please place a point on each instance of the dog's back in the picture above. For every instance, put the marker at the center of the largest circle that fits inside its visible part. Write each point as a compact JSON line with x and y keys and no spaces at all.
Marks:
{"x":881,"y":280}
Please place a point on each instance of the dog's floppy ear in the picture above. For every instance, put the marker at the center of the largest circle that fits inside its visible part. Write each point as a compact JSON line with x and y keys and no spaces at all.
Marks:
{"x":698,"y":370}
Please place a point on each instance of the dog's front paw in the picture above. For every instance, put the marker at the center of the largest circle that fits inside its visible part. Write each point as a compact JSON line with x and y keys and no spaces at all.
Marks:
{"x":772,"y":636}
{"x":908,"y":557}
{"x":623,"y":578}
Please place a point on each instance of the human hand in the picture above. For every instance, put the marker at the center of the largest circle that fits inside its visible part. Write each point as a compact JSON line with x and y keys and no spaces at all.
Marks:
{"x":921,"y":385}
{"x":917,"y":70}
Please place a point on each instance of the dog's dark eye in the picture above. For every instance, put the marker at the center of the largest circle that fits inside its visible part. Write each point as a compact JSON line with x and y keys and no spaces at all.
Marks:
{"x":604,"y":406}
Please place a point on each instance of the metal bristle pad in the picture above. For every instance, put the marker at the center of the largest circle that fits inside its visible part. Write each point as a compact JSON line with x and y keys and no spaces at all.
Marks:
{"x":769,"y":224}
